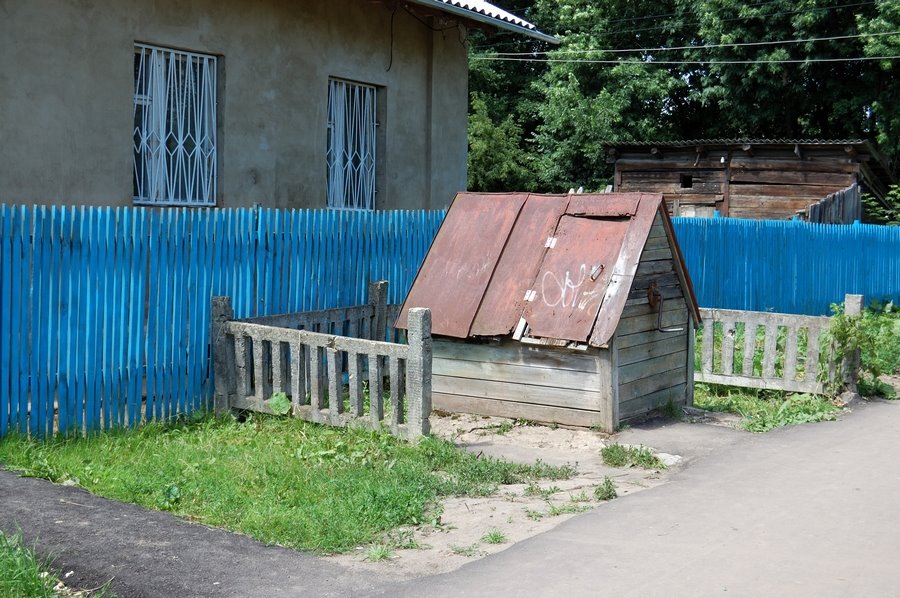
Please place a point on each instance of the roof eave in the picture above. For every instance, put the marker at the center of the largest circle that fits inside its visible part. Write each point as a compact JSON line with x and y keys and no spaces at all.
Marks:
{"x":486,"y":20}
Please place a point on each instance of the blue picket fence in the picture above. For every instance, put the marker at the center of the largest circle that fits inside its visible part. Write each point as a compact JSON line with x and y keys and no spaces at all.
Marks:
{"x":104,"y":313}
{"x":788,"y":266}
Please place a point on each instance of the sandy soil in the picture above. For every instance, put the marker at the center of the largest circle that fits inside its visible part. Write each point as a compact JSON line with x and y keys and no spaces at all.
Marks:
{"x":515,"y":511}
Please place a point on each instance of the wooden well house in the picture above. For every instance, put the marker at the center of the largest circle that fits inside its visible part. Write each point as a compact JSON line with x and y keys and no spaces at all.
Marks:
{"x":569,"y":309}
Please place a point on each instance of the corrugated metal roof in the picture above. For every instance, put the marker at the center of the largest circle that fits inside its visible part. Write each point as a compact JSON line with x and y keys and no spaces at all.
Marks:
{"x":564,"y":263}
{"x":485,"y":12}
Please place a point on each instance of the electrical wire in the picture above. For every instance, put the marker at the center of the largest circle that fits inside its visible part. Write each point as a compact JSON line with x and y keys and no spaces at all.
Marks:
{"x":676,"y":62}
{"x":704,"y":47}
{"x":728,"y":20}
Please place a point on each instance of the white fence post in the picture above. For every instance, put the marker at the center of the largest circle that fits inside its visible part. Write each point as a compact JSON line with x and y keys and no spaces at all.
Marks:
{"x":223,"y":354}
{"x":418,"y":371}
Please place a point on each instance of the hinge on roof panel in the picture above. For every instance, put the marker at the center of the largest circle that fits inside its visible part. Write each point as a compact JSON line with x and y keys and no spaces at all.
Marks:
{"x":530,"y":295}
{"x":551,"y":243}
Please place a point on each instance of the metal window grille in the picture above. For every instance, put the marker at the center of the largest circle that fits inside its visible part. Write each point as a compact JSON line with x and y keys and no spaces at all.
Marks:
{"x":174,"y":127}
{"x":350,"y":156}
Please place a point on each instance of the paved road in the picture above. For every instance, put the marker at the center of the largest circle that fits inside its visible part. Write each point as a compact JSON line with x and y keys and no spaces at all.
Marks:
{"x":806,"y":511}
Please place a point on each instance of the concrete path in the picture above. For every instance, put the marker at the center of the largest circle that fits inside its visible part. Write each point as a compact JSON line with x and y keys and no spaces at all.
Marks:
{"x":805,"y":511}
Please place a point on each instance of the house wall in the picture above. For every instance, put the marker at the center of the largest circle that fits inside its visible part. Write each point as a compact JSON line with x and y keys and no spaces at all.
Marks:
{"x":512,"y":379}
{"x":67,"y":81}
{"x":764,"y":183}
{"x":653,"y":367}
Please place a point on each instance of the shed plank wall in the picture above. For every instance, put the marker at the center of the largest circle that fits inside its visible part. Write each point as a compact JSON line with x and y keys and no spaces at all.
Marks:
{"x":510,"y":379}
{"x":652,"y":364}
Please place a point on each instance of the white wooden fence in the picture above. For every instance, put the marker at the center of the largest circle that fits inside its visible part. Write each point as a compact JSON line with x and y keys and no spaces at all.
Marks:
{"x":768,"y":350}
{"x":259,"y":357}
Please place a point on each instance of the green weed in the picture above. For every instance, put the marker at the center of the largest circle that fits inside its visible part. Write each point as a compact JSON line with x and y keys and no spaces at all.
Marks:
{"x":618,"y":455}
{"x":278,"y":479}
{"x":378,"y":552}
{"x":764,"y":410}
{"x":606,"y":490}
{"x":494,"y":536}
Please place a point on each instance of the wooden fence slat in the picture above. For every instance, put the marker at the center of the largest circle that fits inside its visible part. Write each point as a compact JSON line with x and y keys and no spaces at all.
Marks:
{"x":728,"y":334}
{"x":790,"y":354}
{"x":241,"y":350}
{"x":811,"y":363}
{"x":376,"y":390}
{"x":355,"y":383}
{"x":750,"y":328}
{"x":335,"y":398}
{"x":769,"y":350}
{"x":396,"y":393}
{"x":707,"y":347}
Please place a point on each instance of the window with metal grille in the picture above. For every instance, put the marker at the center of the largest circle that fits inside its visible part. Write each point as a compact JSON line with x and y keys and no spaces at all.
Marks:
{"x":174,"y":127}
{"x":350,"y":156}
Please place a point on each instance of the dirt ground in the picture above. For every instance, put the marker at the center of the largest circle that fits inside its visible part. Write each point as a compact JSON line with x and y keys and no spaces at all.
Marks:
{"x":515,"y":511}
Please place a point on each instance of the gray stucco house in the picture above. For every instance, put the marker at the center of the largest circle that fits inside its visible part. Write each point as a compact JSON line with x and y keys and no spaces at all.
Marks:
{"x":291,"y":103}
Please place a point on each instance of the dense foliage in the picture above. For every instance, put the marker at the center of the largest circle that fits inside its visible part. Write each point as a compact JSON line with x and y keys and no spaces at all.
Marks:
{"x":693,"y":75}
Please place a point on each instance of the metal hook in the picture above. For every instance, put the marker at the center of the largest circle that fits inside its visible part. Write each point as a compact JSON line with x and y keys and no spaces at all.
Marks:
{"x":655,"y":298}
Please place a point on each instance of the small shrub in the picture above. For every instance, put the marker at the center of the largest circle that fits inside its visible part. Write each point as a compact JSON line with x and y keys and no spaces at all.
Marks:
{"x":606,"y":490}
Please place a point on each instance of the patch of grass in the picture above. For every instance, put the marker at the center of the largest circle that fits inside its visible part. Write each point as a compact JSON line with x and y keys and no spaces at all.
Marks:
{"x":533,"y":514}
{"x":764,"y":410}
{"x":378,"y":552}
{"x":606,"y":490}
{"x":873,"y":387}
{"x":494,"y":536}
{"x":580,"y":497}
{"x":534,"y":489}
{"x":564,"y":509}
{"x":618,"y":455}
{"x":467,"y":551}
{"x":280,"y":480}
{"x":22,"y":573}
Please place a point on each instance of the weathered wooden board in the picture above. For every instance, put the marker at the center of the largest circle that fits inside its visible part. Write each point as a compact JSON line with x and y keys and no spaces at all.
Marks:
{"x":516,"y":353}
{"x":674,"y":343}
{"x":526,"y":411}
{"x":648,"y":336}
{"x":647,"y":323}
{"x":781,"y":177}
{"x":523,"y":393}
{"x":534,"y":375}
{"x":651,"y":384}
{"x":655,"y":400}
{"x":792,"y":164}
{"x":649,"y":368}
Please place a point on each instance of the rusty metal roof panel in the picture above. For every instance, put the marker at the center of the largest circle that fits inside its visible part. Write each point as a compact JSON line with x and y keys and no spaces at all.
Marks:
{"x":504,"y":299}
{"x":608,"y":205}
{"x":455,"y":274}
{"x":570,"y":287}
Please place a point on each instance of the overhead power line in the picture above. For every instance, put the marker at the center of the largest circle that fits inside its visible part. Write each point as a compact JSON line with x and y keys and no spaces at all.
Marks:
{"x":676,"y":62}
{"x":727,"y":20}
{"x":703,"y":47}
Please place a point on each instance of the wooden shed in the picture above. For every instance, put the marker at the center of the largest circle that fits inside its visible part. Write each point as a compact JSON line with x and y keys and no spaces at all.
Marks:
{"x":759,"y":179}
{"x":573,"y":309}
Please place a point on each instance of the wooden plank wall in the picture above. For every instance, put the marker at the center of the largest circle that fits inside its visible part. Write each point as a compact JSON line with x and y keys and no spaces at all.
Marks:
{"x":105,"y":313}
{"x":699,"y":196}
{"x":843,"y":207}
{"x":510,"y":379}
{"x":768,"y":185}
{"x":653,"y":365}
{"x":780,"y":189}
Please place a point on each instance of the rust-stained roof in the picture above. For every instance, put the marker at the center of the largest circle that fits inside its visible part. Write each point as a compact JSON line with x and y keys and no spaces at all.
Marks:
{"x":562,"y":263}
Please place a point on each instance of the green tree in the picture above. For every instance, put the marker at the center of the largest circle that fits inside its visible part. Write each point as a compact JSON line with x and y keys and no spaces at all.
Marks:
{"x":496,"y":161}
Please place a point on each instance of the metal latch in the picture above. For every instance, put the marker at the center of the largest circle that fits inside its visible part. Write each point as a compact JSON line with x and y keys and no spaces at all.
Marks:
{"x":655,"y":298}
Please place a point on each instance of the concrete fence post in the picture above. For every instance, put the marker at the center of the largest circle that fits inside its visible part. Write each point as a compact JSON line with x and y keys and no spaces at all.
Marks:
{"x":853,"y":305}
{"x":378,"y":292}
{"x":418,"y":371}
{"x":223,"y":354}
